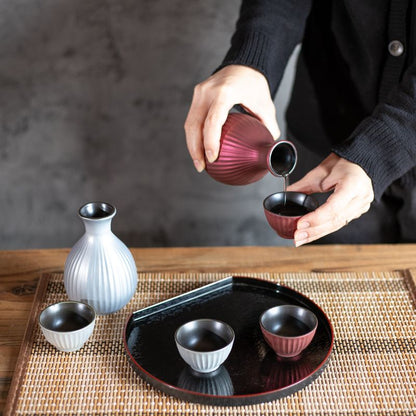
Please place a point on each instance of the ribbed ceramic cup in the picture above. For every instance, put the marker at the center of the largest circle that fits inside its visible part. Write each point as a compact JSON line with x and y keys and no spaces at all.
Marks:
{"x":288,"y":329}
{"x":204,"y":344}
{"x":67,"y":325}
{"x":284,"y":209}
{"x":100,"y":270}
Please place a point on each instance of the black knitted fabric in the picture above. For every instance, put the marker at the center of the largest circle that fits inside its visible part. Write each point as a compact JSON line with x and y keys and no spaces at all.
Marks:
{"x":351,"y":96}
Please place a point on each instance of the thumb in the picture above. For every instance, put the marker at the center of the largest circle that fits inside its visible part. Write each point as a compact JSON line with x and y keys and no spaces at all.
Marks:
{"x":311,"y":183}
{"x":272,"y":126}
{"x":302,"y":185}
{"x":267,"y":116}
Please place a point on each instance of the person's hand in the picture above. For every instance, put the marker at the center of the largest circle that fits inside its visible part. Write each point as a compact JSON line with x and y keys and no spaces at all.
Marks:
{"x":214,"y":98}
{"x":352,"y":196}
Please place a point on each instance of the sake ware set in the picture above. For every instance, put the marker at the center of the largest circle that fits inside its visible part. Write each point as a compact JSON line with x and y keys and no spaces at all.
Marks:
{"x":100,"y":278}
{"x":236,"y":341}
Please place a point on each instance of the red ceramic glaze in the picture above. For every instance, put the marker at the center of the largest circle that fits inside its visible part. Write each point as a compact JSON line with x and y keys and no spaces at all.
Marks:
{"x":248,"y":151}
{"x":285,"y":225}
{"x":283,"y":318}
{"x":287,"y":346}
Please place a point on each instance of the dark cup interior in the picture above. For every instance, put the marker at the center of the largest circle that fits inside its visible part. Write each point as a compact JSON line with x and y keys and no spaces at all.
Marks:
{"x":290,"y":204}
{"x":289,"y":321}
{"x":204,"y":335}
{"x":67,"y":316}
{"x":96,"y":210}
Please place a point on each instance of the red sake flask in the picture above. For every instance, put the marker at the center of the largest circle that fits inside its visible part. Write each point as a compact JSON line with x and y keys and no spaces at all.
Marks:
{"x":248,"y":151}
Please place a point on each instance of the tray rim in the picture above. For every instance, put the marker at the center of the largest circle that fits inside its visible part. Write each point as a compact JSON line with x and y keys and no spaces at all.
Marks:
{"x":235,"y":400}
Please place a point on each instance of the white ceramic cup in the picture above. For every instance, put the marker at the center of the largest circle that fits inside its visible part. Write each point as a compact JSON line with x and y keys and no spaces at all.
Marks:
{"x":67,"y":325}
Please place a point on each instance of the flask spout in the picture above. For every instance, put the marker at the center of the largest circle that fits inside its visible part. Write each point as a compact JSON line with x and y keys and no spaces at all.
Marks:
{"x":282,"y":158}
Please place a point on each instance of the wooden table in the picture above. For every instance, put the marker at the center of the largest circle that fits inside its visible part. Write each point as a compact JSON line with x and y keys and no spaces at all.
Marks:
{"x":20,"y":271}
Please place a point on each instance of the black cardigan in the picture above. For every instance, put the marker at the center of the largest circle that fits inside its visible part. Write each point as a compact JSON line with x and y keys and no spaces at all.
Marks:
{"x":351,"y":95}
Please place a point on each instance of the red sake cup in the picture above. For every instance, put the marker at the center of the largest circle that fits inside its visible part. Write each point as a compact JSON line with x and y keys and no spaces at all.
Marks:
{"x":288,"y":329}
{"x":283,"y":210}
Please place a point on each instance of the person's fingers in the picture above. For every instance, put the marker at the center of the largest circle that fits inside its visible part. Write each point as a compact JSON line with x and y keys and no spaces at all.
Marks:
{"x":313,"y":182}
{"x":318,"y":180}
{"x":267,"y":115}
{"x":194,"y":143}
{"x":215,"y":119}
{"x":352,"y":196}
{"x":194,"y":130}
{"x":212,"y":100}
{"x":337,"y":212}
{"x":307,"y":185}
{"x":265,"y":111}
{"x":304,"y":236}
{"x":271,"y":124}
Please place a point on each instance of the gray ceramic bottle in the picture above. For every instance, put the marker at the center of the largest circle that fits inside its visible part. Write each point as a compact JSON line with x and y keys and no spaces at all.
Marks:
{"x":100,"y":269}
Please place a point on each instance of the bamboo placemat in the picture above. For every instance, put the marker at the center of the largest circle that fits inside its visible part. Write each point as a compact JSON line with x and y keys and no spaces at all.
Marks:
{"x":372,"y":370}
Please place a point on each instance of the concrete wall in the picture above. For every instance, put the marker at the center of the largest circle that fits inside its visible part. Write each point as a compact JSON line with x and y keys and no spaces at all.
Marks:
{"x":93,"y":97}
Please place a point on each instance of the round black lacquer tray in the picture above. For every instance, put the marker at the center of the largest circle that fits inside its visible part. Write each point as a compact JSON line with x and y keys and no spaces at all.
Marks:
{"x":253,"y":373}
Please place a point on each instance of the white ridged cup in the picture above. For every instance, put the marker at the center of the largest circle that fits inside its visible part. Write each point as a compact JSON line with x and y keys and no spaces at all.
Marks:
{"x":100,"y":270}
{"x":204,"y":361}
{"x":54,"y":317}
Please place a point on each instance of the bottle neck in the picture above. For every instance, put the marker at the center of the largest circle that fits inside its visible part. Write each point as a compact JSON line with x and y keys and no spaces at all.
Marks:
{"x":97,"y":226}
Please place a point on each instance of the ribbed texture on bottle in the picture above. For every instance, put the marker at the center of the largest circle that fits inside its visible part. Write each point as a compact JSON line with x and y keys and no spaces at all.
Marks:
{"x":245,"y":142}
{"x":100,"y":270}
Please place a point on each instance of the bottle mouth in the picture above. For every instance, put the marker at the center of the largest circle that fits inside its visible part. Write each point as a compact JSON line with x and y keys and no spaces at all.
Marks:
{"x":97,"y":211}
{"x":282,"y":158}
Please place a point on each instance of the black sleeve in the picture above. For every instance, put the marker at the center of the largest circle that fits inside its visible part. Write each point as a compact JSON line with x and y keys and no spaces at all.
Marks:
{"x":267,"y":31}
{"x":384,"y":144}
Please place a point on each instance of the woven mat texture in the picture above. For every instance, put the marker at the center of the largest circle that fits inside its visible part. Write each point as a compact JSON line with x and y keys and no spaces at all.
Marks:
{"x":372,"y":370}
